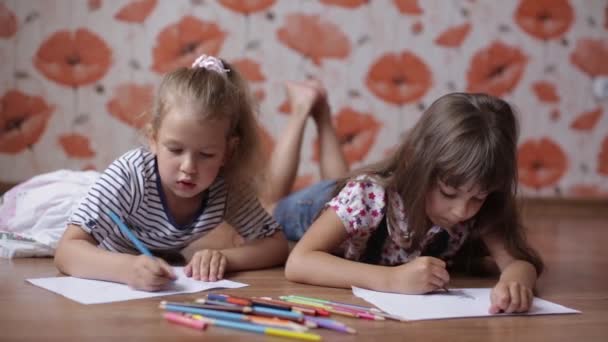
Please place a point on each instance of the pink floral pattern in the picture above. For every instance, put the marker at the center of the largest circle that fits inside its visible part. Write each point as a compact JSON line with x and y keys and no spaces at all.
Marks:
{"x":361,"y":205}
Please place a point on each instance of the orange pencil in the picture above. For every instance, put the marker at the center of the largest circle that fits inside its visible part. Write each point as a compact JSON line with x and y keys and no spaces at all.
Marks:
{"x":229,"y":299}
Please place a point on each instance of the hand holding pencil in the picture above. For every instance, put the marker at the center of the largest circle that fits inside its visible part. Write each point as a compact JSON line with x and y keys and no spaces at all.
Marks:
{"x":150,"y":274}
{"x":147,"y":272}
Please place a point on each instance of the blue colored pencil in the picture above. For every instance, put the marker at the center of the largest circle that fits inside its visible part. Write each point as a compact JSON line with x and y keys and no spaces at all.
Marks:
{"x":206,"y":312}
{"x":125,"y":230}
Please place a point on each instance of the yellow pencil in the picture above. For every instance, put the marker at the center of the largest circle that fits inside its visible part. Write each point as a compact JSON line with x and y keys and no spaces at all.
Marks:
{"x":260,"y":329}
{"x":292,"y":334}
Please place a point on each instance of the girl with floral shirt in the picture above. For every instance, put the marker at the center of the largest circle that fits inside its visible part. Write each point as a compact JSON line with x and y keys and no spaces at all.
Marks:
{"x":401,"y":221}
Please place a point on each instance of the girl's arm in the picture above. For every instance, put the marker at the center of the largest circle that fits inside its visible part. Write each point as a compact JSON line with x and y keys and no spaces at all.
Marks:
{"x":514,"y":290}
{"x":255,"y":254}
{"x":311,"y":262}
{"x":78,"y":255}
{"x":211,"y":264}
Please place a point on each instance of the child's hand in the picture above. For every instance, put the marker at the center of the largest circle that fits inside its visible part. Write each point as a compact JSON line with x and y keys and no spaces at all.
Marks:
{"x":422,"y":275}
{"x":510,"y":297}
{"x":206,"y":265}
{"x":149,"y":274}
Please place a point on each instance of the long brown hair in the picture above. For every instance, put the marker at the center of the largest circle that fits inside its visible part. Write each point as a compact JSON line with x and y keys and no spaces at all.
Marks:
{"x":216,"y":96}
{"x":460,"y":138}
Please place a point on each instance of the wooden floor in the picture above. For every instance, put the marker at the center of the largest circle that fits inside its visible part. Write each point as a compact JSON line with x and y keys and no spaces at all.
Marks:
{"x":573,"y":244}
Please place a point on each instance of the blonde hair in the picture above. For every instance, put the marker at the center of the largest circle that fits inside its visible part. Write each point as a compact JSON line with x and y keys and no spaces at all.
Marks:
{"x":460,"y":138}
{"x":216,"y":96}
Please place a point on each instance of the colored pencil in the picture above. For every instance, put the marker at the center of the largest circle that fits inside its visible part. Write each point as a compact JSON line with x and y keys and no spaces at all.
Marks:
{"x":331,"y":310}
{"x":290,"y":315}
{"x":260,"y":329}
{"x":241,"y":309}
{"x":331,"y":324}
{"x":324,"y":301}
{"x":358,"y":311}
{"x":185,"y":321}
{"x":372,"y":310}
{"x":277,"y":323}
{"x":306,"y":309}
{"x":205,"y":312}
{"x":230,"y":299}
{"x":125,"y":230}
{"x":279,"y":305}
{"x":217,"y":303}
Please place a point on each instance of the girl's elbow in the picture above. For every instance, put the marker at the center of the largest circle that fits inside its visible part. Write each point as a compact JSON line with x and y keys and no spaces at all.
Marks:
{"x":59,"y":259}
{"x":292,"y":268}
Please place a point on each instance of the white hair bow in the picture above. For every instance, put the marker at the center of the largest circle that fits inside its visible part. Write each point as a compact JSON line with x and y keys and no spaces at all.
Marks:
{"x":210,"y":63}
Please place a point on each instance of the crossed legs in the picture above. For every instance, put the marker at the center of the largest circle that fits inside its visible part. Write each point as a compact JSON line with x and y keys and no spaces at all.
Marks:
{"x":307,"y":99}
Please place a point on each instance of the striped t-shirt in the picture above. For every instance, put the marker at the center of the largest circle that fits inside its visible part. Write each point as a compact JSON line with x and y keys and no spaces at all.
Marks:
{"x":131,"y":188}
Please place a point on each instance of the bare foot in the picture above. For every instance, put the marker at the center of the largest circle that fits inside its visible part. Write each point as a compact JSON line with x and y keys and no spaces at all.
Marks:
{"x":320,"y":111}
{"x":302,"y":97}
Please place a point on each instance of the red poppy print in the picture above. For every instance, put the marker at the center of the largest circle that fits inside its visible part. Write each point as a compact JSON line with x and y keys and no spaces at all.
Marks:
{"x":73,"y":58}
{"x":590,"y":56}
{"x":247,"y":7}
{"x":76,"y":145}
{"x":399,"y":78}
{"x":545,"y":91}
{"x":284,"y":107}
{"x":8,"y":22}
{"x":23,"y":119}
{"x":94,"y":5}
{"x":544,"y":19}
{"x":602,"y":159}
{"x":314,"y":37}
{"x":586,"y":121}
{"x":417,"y":27}
{"x":356,"y":132}
{"x":496,"y":70}
{"x":250,"y":69}
{"x":453,"y":36}
{"x":130,"y":103}
{"x":179,"y":44}
{"x":408,"y":7}
{"x":541,"y":163}
{"x":136,"y":11}
{"x":345,"y":3}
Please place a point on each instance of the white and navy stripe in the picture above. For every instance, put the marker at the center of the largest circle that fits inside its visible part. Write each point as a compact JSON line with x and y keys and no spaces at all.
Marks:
{"x":130,"y":187}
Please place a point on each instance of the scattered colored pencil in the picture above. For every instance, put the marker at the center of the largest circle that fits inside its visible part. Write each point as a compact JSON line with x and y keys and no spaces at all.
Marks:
{"x":205,"y":312}
{"x":261,"y":329}
{"x":331,"y":324}
{"x":241,"y":309}
{"x":230,"y":299}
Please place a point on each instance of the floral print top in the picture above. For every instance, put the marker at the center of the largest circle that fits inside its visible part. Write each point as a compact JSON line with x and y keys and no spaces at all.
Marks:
{"x":361,"y":206}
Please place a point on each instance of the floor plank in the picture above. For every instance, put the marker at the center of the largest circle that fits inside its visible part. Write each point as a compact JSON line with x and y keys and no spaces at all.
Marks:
{"x":573,"y":246}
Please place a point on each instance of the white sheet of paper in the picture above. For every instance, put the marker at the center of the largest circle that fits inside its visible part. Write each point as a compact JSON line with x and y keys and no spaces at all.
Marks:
{"x":87,"y":291}
{"x":454,"y":304}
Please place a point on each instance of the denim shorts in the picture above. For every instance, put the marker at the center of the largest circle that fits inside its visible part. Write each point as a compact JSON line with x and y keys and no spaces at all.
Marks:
{"x":296,"y":212}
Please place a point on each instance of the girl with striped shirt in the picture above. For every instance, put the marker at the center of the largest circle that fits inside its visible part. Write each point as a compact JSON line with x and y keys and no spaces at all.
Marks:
{"x":198,"y":171}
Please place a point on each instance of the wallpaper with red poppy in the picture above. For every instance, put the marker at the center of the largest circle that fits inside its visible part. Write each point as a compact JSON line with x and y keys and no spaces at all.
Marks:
{"x":77,"y":76}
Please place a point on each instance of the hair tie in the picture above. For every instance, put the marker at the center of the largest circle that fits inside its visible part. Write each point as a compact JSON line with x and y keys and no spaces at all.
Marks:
{"x":210,"y":63}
